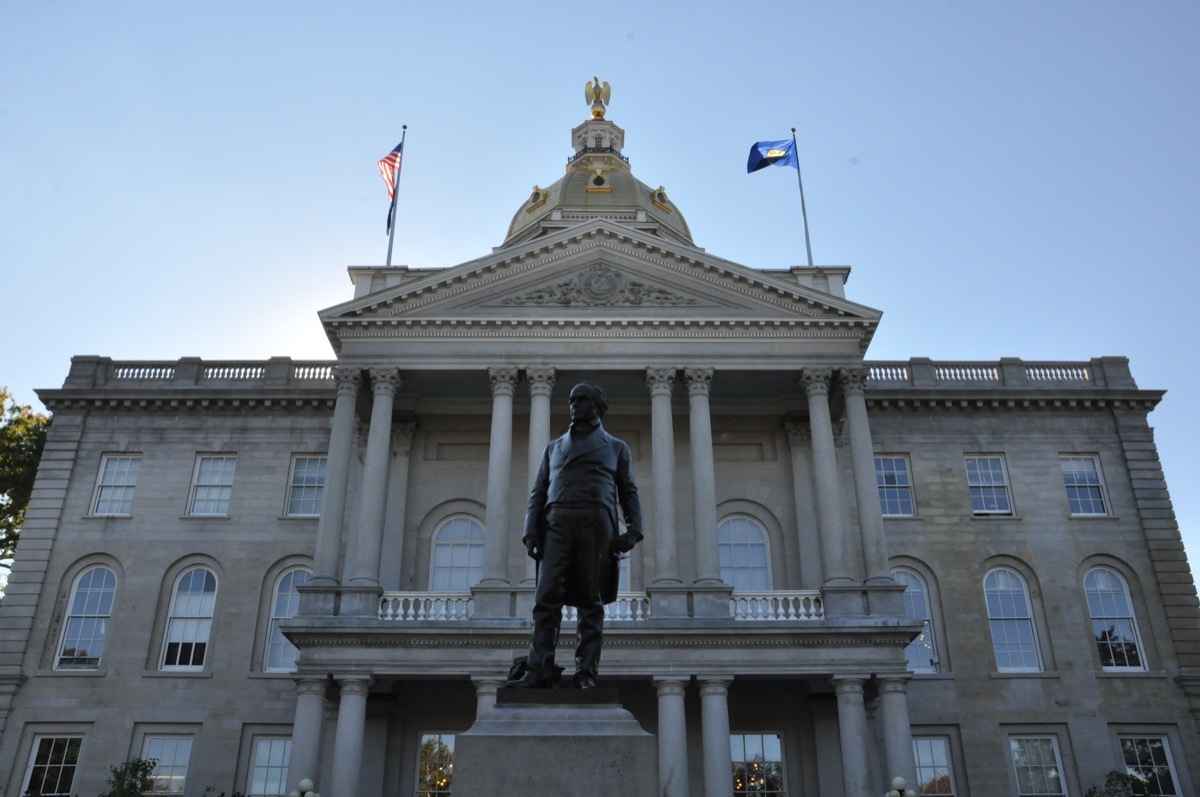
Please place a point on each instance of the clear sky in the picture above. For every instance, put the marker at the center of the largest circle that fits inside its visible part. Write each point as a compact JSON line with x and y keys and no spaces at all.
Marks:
{"x":1006,"y":179}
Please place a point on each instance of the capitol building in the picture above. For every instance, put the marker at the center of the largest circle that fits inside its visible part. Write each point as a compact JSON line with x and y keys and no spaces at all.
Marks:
{"x":965,"y":574}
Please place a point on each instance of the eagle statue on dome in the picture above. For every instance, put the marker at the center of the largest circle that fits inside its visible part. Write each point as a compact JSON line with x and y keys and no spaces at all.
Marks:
{"x":598,"y":95}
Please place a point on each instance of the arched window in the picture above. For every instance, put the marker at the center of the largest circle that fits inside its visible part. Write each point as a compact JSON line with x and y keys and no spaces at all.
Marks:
{"x":457,"y":560}
{"x":86,"y":627}
{"x":190,"y":621}
{"x":1114,"y":625}
{"x":922,"y":652}
{"x":742,"y":550}
{"x":1014,"y":639}
{"x":280,"y":654}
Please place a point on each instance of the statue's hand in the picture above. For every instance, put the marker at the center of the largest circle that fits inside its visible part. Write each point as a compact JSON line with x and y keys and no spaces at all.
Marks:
{"x":623,"y":543}
{"x":531,"y":548}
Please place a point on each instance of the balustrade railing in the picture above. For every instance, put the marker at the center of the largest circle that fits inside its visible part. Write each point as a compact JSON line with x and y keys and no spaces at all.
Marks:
{"x":966,"y":372}
{"x":1065,"y":372}
{"x":630,"y":606}
{"x":312,"y":371}
{"x":413,"y":606}
{"x":235,"y":371}
{"x":804,"y":605}
{"x":127,"y":371}
{"x":918,"y":373}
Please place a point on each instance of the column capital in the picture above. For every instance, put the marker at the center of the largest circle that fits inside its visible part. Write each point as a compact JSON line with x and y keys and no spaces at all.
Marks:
{"x":347,"y":380}
{"x":699,"y":381}
{"x":310,"y":686}
{"x":853,"y":381}
{"x":714,"y":686}
{"x":541,"y":380}
{"x":503,"y":379}
{"x":661,"y":381}
{"x":671,"y":685}
{"x":385,"y":381}
{"x":841,"y":431}
{"x":402,"y":437}
{"x":893,"y":683}
{"x":848,"y":684}
{"x":354,"y":684}
{"x":815,"y":381}
{"x":799,"y":435}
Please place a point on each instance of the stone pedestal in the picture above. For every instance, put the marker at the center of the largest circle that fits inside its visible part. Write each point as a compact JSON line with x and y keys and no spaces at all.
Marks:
{"x":565,"y":742}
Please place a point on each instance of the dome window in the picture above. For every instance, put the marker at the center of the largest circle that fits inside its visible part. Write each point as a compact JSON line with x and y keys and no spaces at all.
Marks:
{"x":536,"y":199}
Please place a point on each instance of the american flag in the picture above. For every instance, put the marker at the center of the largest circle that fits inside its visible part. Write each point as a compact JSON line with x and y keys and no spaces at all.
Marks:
{"x":389,"y":165}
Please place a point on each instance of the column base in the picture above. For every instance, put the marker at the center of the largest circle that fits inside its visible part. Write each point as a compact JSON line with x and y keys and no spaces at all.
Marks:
{"x":496,"y":601}
{"x":669,"y":602}
{"x":863,"y":600}
{"x":360,"y":601}
{"x":711,"y":601}
{"x":318,"y":600}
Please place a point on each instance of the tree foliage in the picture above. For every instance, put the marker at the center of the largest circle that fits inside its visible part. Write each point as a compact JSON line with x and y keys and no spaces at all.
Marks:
{"x":131,"y":778}
{"x":22,"y":437}
{"x":1116,"y":784}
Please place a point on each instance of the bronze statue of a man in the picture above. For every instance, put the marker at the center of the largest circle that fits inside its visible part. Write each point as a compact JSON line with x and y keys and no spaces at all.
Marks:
{"x":571,"y":527}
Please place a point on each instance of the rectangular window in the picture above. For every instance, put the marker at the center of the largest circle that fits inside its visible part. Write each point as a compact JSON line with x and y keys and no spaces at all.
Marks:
{"x":435,"y":766}
{"x":1085,"y":488}
{"x":988,"y":482}
{"x":114,"y":485}
{"x":757,"y":764}
{"x":895,"y":486}
{"x":170,"y":754}
{"x":935,"y":772}
{"x":1148,"y":762}
{"x":212,"y":485}
{"x":1038,"y":766}
{"x":269,"y":767}
{"x":52,"y":763}
{"x":306,"y":488}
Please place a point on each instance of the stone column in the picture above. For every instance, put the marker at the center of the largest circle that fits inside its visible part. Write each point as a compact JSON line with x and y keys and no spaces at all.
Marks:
{"x":306,"y":730}
{"x":897,"y":733}
{"x":672,"y":738}
{"x":830,"y":506}
{"x":714,"y":725}
{"x":327,"y":560}
{"x":495,"y":564}
{"x":661,"y":382}
{"x":485,"y":694}
{"x":852,"y":730}
{"x":704,"y":478}
{"x":541,"y":386}
{"x":862,"y":454}
{"x":402,"y":439}
{"x":373,"y":501}
{"x":351,"y":727}
{"x":806,"y":526}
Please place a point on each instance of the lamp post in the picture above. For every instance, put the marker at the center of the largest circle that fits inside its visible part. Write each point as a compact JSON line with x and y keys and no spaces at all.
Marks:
{"x":305,"y":790}
{"x":898,"y":789}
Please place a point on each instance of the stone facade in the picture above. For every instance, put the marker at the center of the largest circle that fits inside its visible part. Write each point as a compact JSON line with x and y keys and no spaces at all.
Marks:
{"x":761,"y":606}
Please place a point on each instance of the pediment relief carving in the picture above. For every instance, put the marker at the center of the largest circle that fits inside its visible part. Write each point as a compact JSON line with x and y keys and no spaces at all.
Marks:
{"x":600,"y":285}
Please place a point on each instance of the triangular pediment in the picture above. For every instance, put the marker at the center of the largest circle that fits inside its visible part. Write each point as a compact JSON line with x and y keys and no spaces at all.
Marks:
{"x":602,"y":271}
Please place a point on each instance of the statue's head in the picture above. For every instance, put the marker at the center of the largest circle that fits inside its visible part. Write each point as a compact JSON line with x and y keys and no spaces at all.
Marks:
{"x":593,"y":392}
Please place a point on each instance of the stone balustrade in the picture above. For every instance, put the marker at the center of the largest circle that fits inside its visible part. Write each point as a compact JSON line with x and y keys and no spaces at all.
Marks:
{"x":791,"y":605}
{"x":89,"y":372}
{"x":777,"y":605}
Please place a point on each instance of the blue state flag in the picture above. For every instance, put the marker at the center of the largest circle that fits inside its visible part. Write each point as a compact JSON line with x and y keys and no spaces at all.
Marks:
{"x":772,"y":153}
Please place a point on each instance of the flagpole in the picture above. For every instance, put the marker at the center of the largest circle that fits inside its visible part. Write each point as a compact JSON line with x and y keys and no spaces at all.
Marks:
{"x":396,"y":193}
{"x":803,"y":210}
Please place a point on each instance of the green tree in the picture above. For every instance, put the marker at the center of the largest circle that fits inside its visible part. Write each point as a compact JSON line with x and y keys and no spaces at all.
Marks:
{"x":22,"y":438}
{"x":130,"y":778}
{"x":1116,"y":784}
